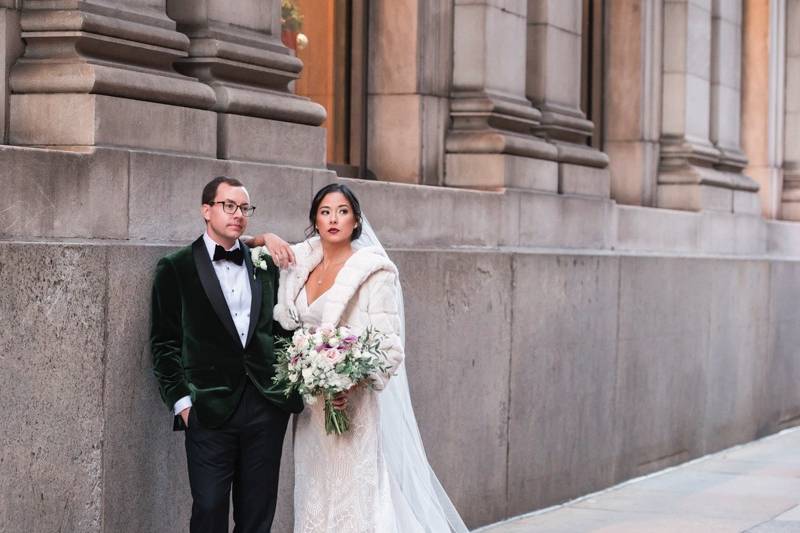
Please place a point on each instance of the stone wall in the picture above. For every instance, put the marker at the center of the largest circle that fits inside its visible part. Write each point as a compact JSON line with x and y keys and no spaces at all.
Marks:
{"x":536,"y":376}
{"x":558,"y":342}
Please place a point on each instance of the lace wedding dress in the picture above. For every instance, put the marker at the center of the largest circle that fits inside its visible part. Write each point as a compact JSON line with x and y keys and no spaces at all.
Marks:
{"x":376,"y":477}
{"x":341,"y":482}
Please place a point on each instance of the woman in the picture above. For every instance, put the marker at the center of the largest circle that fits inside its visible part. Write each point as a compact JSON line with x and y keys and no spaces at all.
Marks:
{"x":375,"y":477}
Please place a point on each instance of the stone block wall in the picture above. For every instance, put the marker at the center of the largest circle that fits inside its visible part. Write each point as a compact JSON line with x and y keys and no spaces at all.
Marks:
{"x":536,"y":376}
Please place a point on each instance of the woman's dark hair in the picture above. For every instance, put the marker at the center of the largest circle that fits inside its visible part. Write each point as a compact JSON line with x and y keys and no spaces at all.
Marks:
{"x":351,"y":198}
{"x":210,"y":190}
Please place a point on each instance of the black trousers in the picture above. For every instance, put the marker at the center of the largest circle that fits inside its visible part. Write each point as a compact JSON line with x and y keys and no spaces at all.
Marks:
{"x":243,"y":454}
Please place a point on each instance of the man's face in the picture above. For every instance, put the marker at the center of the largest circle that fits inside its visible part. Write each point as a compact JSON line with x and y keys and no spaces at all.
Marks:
{"x":223,"y":227}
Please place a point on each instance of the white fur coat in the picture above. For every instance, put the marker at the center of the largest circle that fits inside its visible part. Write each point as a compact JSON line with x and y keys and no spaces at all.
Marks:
{"x":362,"y":295}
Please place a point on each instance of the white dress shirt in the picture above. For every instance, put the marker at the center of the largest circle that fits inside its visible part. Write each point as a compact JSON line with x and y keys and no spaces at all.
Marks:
{"x":235,"y":287}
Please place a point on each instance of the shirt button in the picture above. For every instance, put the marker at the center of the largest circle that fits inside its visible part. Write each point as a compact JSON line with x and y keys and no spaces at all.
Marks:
{"x":235,"y":314}
{"x":242,"y":334}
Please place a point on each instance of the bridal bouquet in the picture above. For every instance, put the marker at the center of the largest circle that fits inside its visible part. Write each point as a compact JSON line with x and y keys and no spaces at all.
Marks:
{"x":326,"y":361}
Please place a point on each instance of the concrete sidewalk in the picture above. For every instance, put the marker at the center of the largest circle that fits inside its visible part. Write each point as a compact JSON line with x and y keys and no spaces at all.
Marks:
{"x":754,"y":487}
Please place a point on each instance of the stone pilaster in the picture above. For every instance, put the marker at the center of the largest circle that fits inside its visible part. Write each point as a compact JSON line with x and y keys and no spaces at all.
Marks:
{"x":553,"y":85}
{"x":100,"y":73}
{"x":633,"y":98}
{"x":11,"y":47}
{"x":763,"y":84}
{"x":239,"y":54}
{"x":791,"y":142}
{"x":409,"y":89}
{"x":726,"y":100}
{"x":695,"y":174}
{"x":490,"y":143}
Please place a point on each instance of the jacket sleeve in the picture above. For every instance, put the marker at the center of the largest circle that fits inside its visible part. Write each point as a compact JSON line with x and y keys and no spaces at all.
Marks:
{"x":384,"y":315}
{"x":165,"y":334}
{"x":278,"y":331}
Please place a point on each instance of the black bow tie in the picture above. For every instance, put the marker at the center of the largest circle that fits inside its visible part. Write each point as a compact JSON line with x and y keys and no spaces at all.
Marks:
{"x":234,"y":256}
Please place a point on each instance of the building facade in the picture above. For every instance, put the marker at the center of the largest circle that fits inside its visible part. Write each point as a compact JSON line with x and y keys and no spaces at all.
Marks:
{"x":593,"y":205}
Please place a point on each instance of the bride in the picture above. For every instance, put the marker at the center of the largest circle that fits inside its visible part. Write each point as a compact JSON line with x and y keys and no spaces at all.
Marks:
{"x":375,"y":477}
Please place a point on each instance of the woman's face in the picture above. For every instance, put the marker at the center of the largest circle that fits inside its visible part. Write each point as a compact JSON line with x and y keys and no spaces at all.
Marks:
{"x":335,"y":219}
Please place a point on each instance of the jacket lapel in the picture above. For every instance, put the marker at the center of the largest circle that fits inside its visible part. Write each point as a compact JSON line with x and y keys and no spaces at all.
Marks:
{"x":208,"y":278}
{"x":256,"y":292}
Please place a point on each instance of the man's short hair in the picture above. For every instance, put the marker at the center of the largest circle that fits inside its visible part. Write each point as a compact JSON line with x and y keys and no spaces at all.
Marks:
{"x":210,"y":190}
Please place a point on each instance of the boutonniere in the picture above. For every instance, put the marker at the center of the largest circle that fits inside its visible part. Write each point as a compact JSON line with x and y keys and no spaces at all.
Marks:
{"x":259,"y":256}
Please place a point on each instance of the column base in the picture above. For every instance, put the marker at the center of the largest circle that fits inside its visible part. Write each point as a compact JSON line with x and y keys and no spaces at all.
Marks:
{"x":587,"y":181}
{"x":80,"y":121}
{"x":270,"y":141}
{"x":697,"y":188}
{"x":582,"y":170}
{"x":497,"y":171}
{"x":790,"y":196}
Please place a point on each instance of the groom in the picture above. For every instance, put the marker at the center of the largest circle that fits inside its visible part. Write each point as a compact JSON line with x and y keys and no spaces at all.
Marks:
{"x":212,"y":339}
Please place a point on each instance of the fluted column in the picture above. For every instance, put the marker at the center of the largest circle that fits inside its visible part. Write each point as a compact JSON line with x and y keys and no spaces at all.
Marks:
{"x":695,"y":174}
{"x":553,"y":85}
{"x":100,"y":73}
{"x":633,"y":98}
{"x":490,"y":143}
{"x":236,"y":49}
{"x":791,"y":142}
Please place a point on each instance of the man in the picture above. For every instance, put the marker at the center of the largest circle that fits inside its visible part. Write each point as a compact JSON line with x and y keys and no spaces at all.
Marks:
{"x":212,"y":341}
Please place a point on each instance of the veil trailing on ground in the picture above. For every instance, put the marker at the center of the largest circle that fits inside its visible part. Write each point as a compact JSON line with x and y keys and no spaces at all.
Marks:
{"x":418,"y":496}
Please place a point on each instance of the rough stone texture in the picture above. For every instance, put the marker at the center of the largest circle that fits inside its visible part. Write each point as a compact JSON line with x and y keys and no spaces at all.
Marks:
{"x":140,"y":449}
{"x":562,"y":382}
{"x":738,"y":347}
{"x":658,"y":230}
{"x":579,"y":222}
{"x":270,"y":141}
{"x":590,"y":369}
{"x":662,"y":342}
{"x":434,"y":215}
{"x":174,"y":214}
{"x":489,"y":171}
{"x":63,"y":194}
{"x":464,"y":424}
{"x":84,"y":120}
{"x":52,"y":356}
{"x":588,"y":181}
{"x":782,"y":239}
{"x":783,"y":365}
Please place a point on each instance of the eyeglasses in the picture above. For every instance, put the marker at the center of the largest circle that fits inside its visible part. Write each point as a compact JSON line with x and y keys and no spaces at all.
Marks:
{"x":231,"y":207}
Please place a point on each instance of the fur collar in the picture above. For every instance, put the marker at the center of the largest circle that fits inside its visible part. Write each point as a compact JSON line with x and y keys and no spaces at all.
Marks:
{"x":308,"y":254}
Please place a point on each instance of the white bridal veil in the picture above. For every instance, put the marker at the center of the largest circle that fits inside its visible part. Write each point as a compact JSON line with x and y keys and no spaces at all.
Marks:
{"x":419,"y":498}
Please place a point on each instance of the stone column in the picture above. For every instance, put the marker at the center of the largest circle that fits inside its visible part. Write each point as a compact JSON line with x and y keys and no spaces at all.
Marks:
{"x":238,"y":52}
{"x":726,"y":76}
{"x":490,"y":143}
{"x":100,"y":73}
{"x":763,"y":98}
{"x":791,"y":142}
{"x":633,"y":98}
{"x":409,"y":87}
{"x":11,"y":47}
{"x":695,"y":174}
{"x":553,"y":85}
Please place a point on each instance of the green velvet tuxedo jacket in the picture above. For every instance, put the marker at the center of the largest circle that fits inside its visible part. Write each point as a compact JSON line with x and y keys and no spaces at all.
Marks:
{"x":196,"y":350}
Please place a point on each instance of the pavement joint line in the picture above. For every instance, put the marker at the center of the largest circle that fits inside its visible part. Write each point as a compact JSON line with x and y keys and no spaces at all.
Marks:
{"x":489,"y":527}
